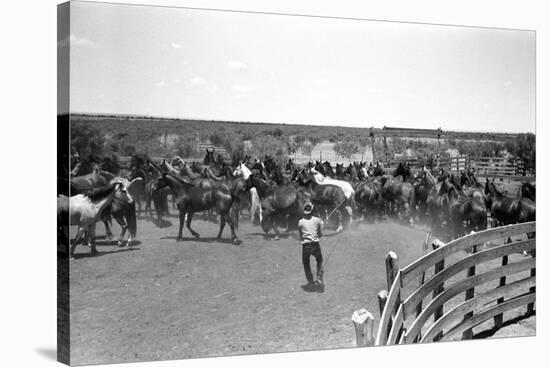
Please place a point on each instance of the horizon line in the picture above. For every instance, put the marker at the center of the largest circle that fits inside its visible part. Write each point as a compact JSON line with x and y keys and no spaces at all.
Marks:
{"x":152,"y":117}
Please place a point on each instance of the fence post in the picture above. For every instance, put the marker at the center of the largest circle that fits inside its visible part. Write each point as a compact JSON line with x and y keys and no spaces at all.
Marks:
{"x":438,"y":267}
{"x":421,"y":280}
{"x":531,"y":306}
{"x":498,"y":318}
{"x":392,"y":267}
{"x":382,"y":298}
{"x":363,"y":321}
{"x":468,"y":334}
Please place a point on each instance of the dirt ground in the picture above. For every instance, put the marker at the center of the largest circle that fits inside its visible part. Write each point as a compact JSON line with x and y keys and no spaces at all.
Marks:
{"x":163,"y":299}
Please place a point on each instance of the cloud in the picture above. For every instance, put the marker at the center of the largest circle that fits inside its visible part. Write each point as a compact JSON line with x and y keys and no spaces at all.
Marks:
{"x":213,"y":89}
{"x":321,"y":81}
{"x":176,"y":45}
{"x":161,"y":83}
{"x":242,"y":88}
{"x":236,"y":65}
{"x":196,"y":81}
{"x":508,"y":83}
{"x":176,"y":81}
{"x":75,"y":41}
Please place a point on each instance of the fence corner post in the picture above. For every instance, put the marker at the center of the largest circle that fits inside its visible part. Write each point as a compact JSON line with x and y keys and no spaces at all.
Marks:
{"x":439,"y":266}
{"x":363,"y":321}
{"x":392,"y":267}
{"x":470,"y":292}
{"x":382,"y":298}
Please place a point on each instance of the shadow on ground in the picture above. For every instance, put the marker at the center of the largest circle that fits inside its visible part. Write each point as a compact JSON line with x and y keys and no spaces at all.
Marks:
{"x":48,"y":353}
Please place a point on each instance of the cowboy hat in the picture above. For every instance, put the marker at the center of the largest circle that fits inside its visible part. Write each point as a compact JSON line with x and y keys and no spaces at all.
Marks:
{"x":308,"y":208}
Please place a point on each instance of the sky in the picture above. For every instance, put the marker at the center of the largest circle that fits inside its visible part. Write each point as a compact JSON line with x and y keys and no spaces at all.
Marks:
{"x":184,"y":63}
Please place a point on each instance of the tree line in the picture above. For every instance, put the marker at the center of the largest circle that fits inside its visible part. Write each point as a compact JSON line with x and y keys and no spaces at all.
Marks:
{"x":113,"y":136}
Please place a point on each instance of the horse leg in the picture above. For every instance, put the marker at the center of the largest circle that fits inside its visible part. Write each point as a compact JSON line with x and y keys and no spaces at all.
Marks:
{"x":91,"y":239}
{"x":79,"y":236}
{"x":349,"y":212}
{"x":182,"y":219}
{"x":277,"y":233}
{"x":159,"y":209}
{"x":222,"y":226}
{"x":188,"y":224}
{"x":410,"y":211}
{"x":266,"y":224}
{"x":108,"y":232}
{"x":340,"y":227}
{"x":123,"y":225}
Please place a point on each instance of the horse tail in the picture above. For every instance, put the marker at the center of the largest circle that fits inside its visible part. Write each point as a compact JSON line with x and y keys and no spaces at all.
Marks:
{"x":255,"y":203}
{"x":130,"y":214}
{"x":353,"y":204}
{"x":412,"y":201}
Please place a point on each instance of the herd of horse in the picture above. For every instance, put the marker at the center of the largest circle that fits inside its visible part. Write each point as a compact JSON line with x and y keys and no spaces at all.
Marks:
{"x":274,"y":194}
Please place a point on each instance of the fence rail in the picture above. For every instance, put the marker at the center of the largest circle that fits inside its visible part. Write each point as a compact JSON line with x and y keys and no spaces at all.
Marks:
{"x":421,"y":302}
{"x":483,"y":166}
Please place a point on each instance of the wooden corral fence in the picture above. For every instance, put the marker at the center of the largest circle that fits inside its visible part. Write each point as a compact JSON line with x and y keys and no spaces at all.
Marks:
{"x":201,"y":147}
{"x":455,"y":164}
{"x":453,"y":288}
{"x":494,"y":167}
{"x":498,"y":166}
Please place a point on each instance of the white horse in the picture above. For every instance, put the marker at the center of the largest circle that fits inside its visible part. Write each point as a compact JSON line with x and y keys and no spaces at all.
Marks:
{"x":85,"y":210}
{"x":344,"y":185}
{"x":365,"y":172}
{"x":255,"y":205}
{"x":171,"y":168}
{"x":125,"y":215}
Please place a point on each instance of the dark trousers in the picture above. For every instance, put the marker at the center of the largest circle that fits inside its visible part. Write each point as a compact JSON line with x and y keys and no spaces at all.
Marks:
{"x":308,"y":249}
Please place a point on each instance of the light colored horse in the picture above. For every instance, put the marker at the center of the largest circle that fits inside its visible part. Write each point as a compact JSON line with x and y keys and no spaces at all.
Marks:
{"x":171,"y":168}
{"x":86,"y":210}
{"x":255,"y":205}
{"x":121,"y":207}
{"x":344,"y":185}
{"x":365,"y":172}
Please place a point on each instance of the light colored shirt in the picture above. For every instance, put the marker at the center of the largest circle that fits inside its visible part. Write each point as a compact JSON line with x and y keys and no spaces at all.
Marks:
{"x":310,"y":229}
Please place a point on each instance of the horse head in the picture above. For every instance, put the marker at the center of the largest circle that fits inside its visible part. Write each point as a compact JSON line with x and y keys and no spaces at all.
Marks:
{"x":402,"y":170}
{"x":121,"y":190}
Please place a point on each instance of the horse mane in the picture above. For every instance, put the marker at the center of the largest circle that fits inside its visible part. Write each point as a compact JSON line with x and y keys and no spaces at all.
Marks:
{"x":177,"y":178}
{"x":106,"y":174}
{"x":102,"y":192}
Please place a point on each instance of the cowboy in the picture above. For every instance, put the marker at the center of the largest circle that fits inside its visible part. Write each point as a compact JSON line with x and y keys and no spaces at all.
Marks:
{"x":310,"y":233}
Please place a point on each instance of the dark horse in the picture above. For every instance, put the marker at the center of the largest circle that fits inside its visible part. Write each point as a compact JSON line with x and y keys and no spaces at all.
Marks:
{"x":399,"y":193}
{"x":528,"y":191}
{"x":464,"y":210}
{"x":507,"y":210}
{"x":192,"y":199}
{"x":158,"y":197}
{"x":284,"y":202}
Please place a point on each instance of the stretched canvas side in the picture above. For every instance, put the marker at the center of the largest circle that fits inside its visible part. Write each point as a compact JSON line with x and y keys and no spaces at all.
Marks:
{"x":63,"y":128}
